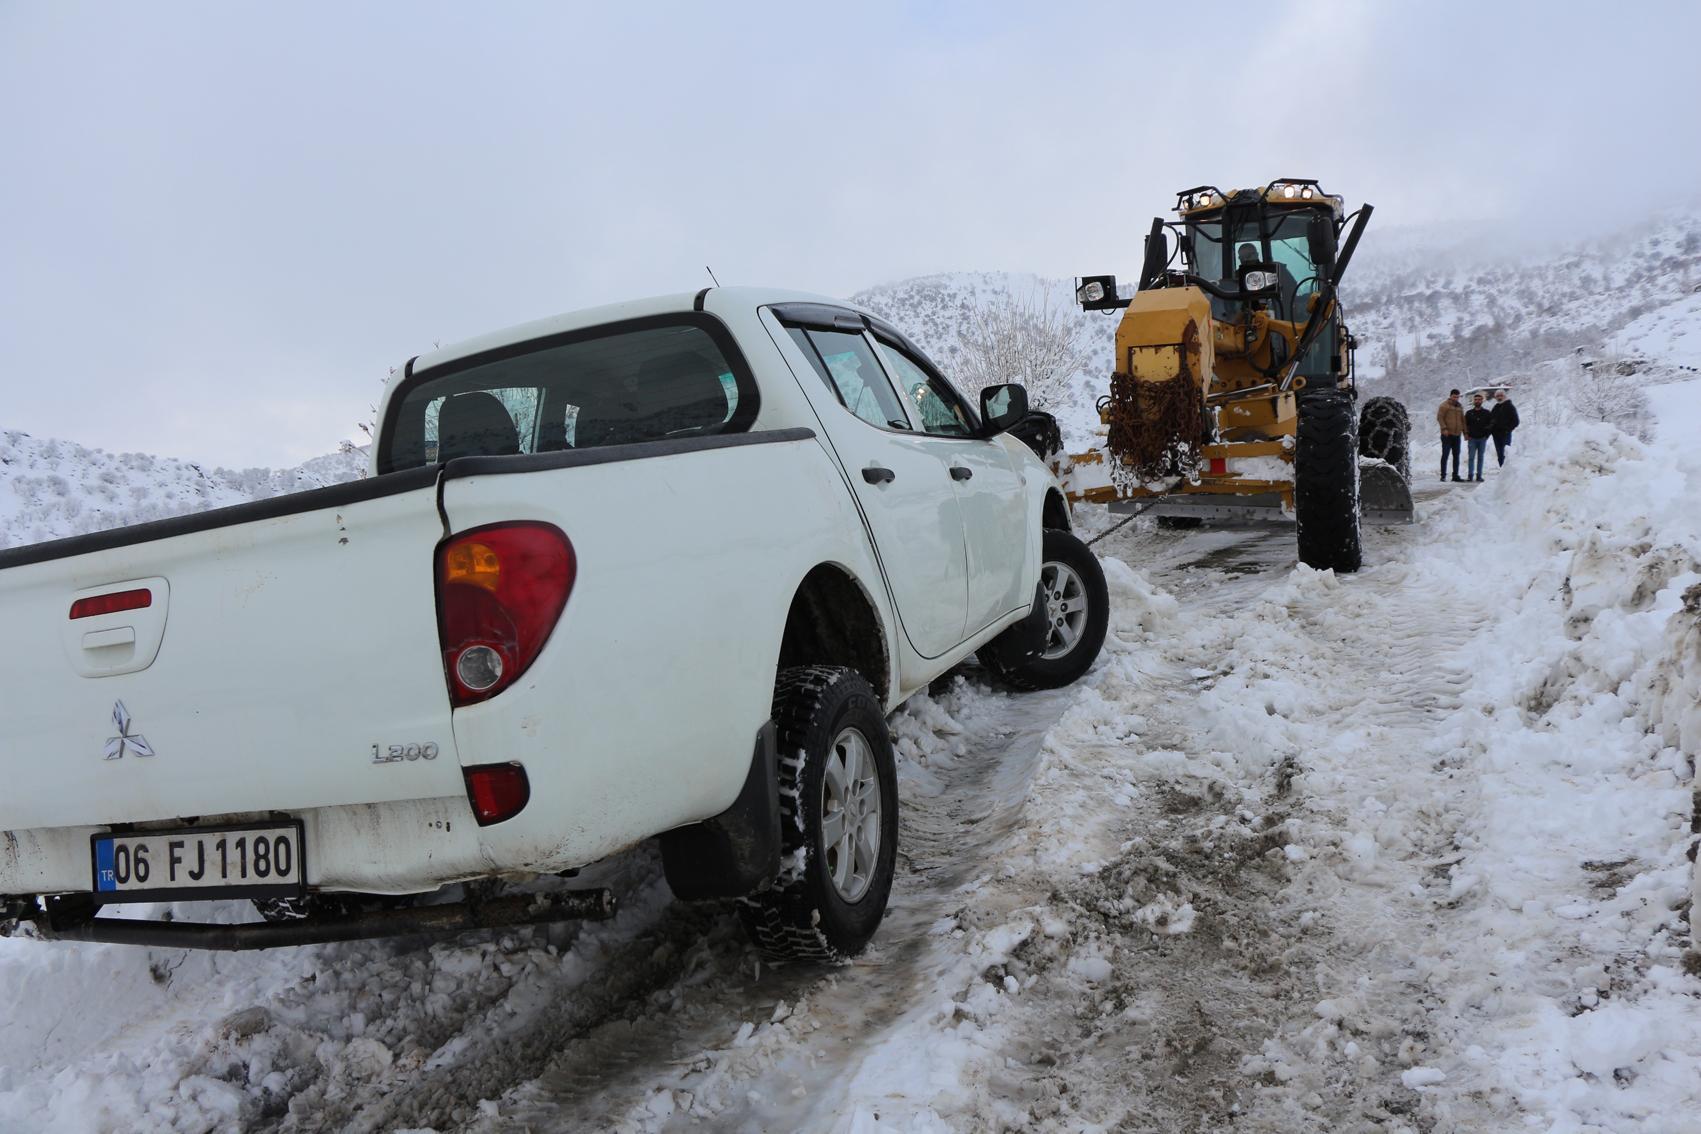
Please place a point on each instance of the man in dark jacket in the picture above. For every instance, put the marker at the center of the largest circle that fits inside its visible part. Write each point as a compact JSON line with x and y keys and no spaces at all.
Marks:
{"x":1504,"y":419}
{"x":1479,"y":424}
{"x":1450,"y":415}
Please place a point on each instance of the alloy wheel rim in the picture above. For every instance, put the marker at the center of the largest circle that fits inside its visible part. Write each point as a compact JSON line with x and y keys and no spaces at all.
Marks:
{"x":1065,"y":609}
{"x":850,"y":814}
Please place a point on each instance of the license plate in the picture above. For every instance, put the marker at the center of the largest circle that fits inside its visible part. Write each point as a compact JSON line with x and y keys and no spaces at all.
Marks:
{"x":263,"y":860}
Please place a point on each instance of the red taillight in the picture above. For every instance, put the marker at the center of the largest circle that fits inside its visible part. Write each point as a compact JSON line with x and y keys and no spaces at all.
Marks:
{"x":112,"y":603}
{"x":500,"y":591}
{"x":497,"y":791}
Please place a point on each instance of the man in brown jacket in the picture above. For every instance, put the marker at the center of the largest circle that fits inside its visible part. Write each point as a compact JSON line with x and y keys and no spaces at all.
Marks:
{"x":1451,"y":418}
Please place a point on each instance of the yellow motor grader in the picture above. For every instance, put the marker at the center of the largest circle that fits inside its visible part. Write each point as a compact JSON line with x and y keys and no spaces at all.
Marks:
{"x":1232,"y":396}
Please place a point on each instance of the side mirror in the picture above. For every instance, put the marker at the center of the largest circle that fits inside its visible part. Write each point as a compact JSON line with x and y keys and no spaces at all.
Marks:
{"x":1002,"y":406}
{"x":1320,"y":244}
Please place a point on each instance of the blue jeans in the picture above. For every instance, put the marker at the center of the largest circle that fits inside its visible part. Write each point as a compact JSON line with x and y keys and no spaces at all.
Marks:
{"x":1476,"y":455}
{"x":1449,"y":448}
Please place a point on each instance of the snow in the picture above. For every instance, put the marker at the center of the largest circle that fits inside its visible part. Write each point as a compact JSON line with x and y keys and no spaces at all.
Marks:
{"x":1670,"y":333}
{"x":1260,"y":468}
{"x":1677,"y":408}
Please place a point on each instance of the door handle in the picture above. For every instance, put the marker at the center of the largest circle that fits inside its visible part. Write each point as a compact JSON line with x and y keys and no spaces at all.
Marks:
{"x":874,"y":474}
{"x":958,"y":472}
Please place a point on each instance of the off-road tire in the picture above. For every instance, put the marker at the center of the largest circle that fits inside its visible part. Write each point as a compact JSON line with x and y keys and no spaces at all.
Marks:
{"x":1014,"y":660}
{"x":1326,"y":481}
{"x":801,"y":915}
{"x":1384,"y":432}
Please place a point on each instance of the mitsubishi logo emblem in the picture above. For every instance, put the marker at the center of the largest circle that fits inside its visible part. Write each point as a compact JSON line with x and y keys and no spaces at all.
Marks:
{"x":125,"y":741}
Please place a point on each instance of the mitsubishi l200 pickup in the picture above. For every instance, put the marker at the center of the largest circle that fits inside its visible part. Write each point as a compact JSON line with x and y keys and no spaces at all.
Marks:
{"x":659,"y":569}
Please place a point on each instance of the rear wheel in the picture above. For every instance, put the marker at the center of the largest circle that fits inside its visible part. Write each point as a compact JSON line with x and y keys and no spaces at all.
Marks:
{"x":1326,"y":481}
{"x":1077,"y":611}
{"x":838,"y":818}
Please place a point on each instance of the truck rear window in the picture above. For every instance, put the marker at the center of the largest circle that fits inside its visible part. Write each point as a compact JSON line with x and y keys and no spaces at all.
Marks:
{"x":614,"y":385}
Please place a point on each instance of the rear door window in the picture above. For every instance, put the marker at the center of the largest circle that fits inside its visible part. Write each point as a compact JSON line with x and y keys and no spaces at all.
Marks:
{"x":617,"y":385}
{"x":844,"y":361}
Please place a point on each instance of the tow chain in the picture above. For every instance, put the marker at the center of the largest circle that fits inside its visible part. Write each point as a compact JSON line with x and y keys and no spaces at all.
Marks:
{"x":1116,"y":527}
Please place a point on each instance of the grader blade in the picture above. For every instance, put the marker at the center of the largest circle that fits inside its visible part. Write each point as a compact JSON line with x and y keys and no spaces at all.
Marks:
{"x":1384,"y":497}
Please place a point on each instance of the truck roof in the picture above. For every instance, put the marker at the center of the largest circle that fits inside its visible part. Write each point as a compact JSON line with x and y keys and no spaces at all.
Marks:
{"x":723,"y":297}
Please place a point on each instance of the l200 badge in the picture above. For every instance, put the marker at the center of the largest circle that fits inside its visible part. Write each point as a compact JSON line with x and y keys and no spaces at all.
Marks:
{"x":395,"y":753}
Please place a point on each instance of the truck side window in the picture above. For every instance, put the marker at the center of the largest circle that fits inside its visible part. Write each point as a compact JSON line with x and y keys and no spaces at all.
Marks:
{"x":938,"y":406}
{"x":844,"y":362}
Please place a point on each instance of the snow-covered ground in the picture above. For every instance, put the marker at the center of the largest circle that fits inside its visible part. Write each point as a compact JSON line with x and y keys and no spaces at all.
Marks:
{"x":1671,"y":333}
{"x":1404,"y":851}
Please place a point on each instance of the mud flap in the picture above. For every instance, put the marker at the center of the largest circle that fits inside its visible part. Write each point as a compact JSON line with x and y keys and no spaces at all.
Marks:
{"x":1384,"y":497}
{"x":735,"y":852}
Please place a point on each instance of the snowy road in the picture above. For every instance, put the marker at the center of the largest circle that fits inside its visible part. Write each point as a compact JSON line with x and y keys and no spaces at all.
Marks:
{"x":1401,"y":851}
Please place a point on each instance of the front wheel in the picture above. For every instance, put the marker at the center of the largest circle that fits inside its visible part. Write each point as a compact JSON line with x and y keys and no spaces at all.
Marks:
{"x":1325,"y":491}
{"x":838,"y":818}
{"x":1077,"y":612}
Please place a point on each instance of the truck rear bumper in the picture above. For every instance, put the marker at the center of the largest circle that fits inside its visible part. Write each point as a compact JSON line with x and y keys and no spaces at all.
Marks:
{"x":520,"y":909}
{"x":403,"y":847}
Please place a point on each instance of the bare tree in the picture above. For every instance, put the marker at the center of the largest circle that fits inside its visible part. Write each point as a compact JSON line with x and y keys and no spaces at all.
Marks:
{"x":1612,"y":390}
{"x":1028,"y":338}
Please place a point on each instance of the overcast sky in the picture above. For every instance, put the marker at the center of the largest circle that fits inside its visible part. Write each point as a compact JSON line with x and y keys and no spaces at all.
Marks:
{"x":220,"y":225}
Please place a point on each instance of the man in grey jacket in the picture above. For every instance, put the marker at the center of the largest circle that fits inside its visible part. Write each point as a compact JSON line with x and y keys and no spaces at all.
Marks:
{"x":1504,"y":421}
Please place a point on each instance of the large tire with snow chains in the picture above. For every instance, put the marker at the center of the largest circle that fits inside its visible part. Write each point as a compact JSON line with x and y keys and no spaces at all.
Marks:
{"x":1077,"y":613}
{"x":838,"y":818}
{"x":1326,"y":481}
{"x":1384,"y":432}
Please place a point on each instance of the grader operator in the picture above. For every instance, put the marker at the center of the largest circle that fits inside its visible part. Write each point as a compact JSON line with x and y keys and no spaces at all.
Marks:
{"x":1233,"y":396}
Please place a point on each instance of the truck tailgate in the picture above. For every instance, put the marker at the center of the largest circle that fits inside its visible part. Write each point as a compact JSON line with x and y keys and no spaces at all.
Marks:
{"x":294,"y":651}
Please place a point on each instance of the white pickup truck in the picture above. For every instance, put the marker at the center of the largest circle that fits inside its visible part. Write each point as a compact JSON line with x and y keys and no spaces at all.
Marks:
{"x":656,"y":569}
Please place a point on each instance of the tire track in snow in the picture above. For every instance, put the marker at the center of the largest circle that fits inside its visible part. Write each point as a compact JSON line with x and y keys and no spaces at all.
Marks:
{"x":1297,"y":997}
{"x":698,"y":1060}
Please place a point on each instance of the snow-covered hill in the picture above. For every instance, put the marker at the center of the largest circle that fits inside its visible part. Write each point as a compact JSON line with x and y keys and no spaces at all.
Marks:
{"x":50,"y":489}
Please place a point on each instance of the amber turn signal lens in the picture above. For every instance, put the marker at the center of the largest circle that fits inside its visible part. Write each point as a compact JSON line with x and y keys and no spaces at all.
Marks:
{"x":473,"y":563}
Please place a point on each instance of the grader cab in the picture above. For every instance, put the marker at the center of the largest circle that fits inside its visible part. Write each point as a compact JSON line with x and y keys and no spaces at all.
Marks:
{"x":1233,"y":396}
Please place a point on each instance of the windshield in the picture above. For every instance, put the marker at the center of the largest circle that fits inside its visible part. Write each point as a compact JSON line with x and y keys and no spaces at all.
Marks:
{"x":1290,"y":250}
{"x":1288,"y":247}
{"x":617,"y":385}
